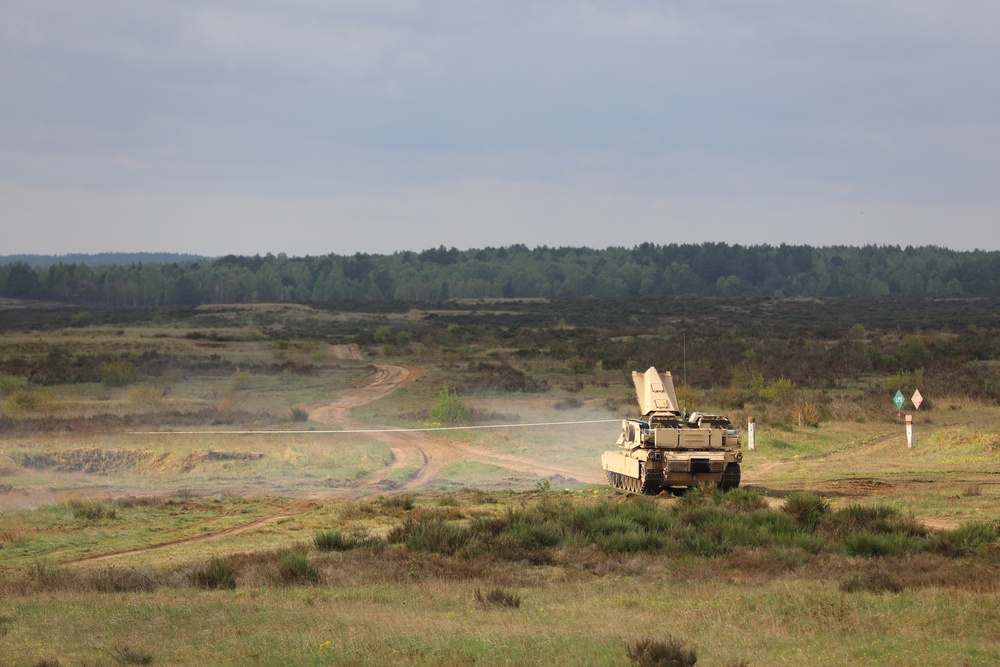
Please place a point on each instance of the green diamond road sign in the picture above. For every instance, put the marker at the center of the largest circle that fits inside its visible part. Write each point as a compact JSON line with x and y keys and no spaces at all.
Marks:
{"x":898,"y":400}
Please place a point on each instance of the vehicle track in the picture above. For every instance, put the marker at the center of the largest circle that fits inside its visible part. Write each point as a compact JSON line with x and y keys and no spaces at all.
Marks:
{"x":426,"y":453}
{"x":290,"y":511}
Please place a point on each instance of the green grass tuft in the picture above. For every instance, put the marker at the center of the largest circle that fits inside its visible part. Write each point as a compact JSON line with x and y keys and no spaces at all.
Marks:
{"x":656,"y":653}
{"x":294,"y":569}
{"x":215,"y":575}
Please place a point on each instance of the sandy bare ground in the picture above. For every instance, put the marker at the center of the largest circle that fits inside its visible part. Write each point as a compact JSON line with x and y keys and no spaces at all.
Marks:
{"x":422,"y":451}
{"x":855,"y":487}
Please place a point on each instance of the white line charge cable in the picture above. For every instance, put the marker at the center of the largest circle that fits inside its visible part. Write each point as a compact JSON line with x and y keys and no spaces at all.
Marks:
{"x":376,"y":430}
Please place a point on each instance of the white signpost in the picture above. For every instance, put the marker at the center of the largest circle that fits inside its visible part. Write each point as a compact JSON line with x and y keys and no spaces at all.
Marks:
{"x":751,"y":434}
{"x":909,"y":431}
{"x":916,"y":399}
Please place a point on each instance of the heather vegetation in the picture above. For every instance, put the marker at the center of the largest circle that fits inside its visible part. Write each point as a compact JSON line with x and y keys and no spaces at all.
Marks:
{"x":565,"y":567}
{"x":140,"y":525}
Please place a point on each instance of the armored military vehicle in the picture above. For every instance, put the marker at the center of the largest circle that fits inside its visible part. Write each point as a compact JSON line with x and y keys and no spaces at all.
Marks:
{"x":669,"y":448}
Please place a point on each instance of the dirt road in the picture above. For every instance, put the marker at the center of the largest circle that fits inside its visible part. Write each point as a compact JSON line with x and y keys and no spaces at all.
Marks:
{"x":421,"y":451}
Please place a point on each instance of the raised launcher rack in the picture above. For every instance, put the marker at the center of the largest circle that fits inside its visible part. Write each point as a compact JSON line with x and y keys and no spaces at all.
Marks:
{"x":666,"y":448}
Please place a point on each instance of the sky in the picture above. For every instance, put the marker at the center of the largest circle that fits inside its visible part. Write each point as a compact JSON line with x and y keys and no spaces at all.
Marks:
{"x":342,"y":126}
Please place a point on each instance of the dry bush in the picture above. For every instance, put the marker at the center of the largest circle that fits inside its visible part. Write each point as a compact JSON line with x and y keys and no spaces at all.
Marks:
{"x":485,"y":378}
{"x":43,"y":578}
{"x":655,"y":653}
{"x":357,"y":511}
{"x":241,"y":380}
{"x":26,"y":399}
{"x":127,"y":655}
{"x":971,"y":490}
{"x":874,"y":581}
{"x":402,"y":501}
{"x":141,"y":501}
{"x":335,"y":540}
{"x":122,"y":580}
{"x":498,"y":597}
{"x":91,"y":510}
{"x":805,"y":414}
{"x":10,"y":383}
{"x":117,"y":373}
{"x":146,"y":396}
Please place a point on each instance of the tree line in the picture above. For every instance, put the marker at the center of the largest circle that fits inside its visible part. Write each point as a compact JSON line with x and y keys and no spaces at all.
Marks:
{"x":439,"y":274}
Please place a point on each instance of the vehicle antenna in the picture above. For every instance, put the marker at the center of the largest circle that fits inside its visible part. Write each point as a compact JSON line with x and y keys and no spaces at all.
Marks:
{"x":684,"y":370}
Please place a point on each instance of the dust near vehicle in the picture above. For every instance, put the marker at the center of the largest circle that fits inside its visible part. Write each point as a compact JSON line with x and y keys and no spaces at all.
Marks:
{"x":667,"y":448}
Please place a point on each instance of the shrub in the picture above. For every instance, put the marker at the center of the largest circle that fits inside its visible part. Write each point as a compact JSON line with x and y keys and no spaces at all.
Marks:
{"x":25,"y":399}
{"x":806,"y":508}
{"x":966,"y":540}
{"x":241,"y":380}
{"x":449,"y":408}
{"x":805,"y":414}
{"x":334,"y":540}
{"x":971,"y":489}
{"x":698,"y":496}
{"x":498,"y":597}
{"x":568,"y":404}
{"x":215,"y":575}
{"x":299,"y":415}
{"x":654,"y":653}
{"x":9,"y":383}
{"x":872,"y":545}
{"x":404,"y":501}
{"x":876,"y":581}
{"x":90,"y":510}
{"x":430,"y":533}
{"x":295,"y":569}
{"x":876,"y":519}
{"x":502,"y":377}
{"x":126,"y":655}
{"x":781,"y":389}
{"x":117,"y":373}
{"x":742,"y":499}
{"x":81,"y":319}
{"x":145,"y":396}
{"x":121,"y":580}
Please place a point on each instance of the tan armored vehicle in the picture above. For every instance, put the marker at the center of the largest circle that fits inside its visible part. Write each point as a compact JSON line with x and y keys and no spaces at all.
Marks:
{"x":668,"y":448}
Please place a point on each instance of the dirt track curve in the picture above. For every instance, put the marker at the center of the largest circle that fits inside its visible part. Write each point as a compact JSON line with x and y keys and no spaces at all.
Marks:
{"x":420,"y":450}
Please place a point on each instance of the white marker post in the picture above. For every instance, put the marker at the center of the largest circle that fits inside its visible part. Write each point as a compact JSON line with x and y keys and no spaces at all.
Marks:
{"x":751,"y":434}
{"x":909,"y":431}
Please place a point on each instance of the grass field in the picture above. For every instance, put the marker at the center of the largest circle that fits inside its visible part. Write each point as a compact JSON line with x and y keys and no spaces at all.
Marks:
{"x":140,"y":525}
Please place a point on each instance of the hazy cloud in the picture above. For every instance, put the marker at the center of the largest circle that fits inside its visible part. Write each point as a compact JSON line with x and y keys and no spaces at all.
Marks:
{"x":416,"y":123}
